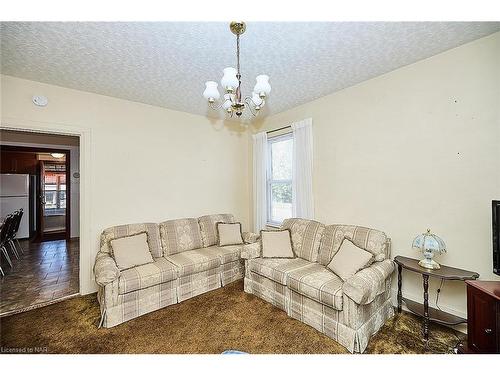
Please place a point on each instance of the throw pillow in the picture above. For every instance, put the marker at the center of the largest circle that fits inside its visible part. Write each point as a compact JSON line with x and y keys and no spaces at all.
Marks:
{"x":131,"y":251}
{"x":276,"y":244}
{"x":349,"y":260}
{"x":229,"y":234}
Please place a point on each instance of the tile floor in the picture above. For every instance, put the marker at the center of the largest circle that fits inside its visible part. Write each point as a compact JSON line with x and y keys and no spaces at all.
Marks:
{"x":46,"y":271}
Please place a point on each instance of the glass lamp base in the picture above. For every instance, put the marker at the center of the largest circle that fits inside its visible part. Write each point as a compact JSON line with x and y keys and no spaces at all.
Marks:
{"x":429,"y":263}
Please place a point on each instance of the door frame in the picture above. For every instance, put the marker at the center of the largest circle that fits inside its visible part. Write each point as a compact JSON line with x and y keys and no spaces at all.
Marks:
{"x":87,"y":245}
{"x":40,"y":236}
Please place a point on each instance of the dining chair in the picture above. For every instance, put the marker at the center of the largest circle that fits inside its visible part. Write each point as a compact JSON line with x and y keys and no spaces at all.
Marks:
{"x":10,"y":234}
{"x":18,"y":214}
{"x":3,"y":238}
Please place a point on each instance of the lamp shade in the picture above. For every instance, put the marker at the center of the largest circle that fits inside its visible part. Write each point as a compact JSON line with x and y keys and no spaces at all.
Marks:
{"x":429,"y":244}
{"x":229,"y":80}
{"x":211,"y":91}
{"x":262,"y":85}
{"x":256,"y":99}
{"x":227,"y":103}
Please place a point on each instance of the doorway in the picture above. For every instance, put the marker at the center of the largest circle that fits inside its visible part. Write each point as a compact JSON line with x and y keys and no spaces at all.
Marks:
{"x":48,"y":170}
{"x":54,"y":199}
{"x":46,"y":268}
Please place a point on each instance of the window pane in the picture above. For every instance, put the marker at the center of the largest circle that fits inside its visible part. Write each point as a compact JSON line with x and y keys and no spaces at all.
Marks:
{"x":281,"y":201}
{"x":281,"y":153}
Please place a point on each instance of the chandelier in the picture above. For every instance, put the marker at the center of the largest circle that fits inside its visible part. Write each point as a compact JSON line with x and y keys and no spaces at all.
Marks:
{"x":232,"y":101}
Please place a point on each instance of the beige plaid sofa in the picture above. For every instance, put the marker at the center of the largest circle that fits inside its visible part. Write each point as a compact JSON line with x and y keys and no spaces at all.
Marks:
{"x":187,"y":262}
{"x":350,"y":312}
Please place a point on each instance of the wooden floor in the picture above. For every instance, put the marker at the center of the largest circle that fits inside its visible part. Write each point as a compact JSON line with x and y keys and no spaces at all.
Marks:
{"x":47,"y":271}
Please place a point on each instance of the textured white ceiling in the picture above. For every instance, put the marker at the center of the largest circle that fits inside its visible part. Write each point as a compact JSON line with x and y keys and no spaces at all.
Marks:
{"x":166,"y":63}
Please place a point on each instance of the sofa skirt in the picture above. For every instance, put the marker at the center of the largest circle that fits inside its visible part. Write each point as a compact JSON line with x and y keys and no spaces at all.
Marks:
{"x":351,"y":327}
{"x":266,"y":289}
{"x":198,"y":283}
{"x":139,"y":302}
{"x":232,"y":271}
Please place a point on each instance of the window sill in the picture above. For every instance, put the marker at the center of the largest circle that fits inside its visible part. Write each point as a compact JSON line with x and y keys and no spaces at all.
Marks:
{"x":273,"y":225}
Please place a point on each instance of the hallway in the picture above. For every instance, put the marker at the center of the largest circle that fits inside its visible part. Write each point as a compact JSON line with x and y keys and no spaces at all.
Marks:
{"x":46,"y":272}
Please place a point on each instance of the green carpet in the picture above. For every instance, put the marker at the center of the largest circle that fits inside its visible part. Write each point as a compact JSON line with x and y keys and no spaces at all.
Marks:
{"x":226,"y":318}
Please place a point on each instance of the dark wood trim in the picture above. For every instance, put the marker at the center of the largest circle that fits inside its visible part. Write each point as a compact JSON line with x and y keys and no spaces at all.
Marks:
{"x":67,"y":153}
{"x":445,"y":272}
{"x":277,"y":130}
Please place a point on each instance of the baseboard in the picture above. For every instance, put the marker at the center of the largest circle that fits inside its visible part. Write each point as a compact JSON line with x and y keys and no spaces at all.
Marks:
{"x":459,"y":327}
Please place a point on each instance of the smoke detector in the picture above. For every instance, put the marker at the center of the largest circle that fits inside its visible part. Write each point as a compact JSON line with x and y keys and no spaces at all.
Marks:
{"x":40,"y":100}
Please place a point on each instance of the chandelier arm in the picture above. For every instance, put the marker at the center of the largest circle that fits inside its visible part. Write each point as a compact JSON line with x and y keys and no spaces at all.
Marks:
{"x":216,"y":105}
{"x":251,"y":106}
{"x":261,"y":105}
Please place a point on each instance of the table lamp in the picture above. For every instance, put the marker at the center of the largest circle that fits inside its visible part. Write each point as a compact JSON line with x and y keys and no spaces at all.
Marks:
{"x":429,"y":244}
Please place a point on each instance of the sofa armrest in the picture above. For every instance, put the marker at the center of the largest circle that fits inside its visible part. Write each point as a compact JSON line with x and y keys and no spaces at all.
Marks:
{"x":105,"y":269}
{"x":368,"y":283}
{"x":251,"y":251}
{"x":250,"y":237}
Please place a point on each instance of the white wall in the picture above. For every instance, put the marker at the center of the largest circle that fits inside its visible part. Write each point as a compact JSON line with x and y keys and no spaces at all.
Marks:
{"x":144,"y":163}
{"x":413,"y":149}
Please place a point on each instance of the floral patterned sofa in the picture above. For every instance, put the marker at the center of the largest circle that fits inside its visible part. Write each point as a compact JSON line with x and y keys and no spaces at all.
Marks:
{"x":350,"y":312}
{"x":187,"y":262}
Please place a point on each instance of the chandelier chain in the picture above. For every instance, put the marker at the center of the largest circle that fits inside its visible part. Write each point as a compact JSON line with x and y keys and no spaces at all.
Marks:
{"x":238,"y":53}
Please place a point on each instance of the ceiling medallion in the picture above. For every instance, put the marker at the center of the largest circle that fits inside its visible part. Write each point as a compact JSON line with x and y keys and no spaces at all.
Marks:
{"x":232,"y":101}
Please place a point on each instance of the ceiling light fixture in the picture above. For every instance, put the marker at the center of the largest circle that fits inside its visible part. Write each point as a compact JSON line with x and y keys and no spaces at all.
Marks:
{"x":57,"y":155}
{"x":232,"y":101}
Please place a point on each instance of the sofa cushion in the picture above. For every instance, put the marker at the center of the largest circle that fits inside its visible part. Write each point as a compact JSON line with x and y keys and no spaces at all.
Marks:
{"x":276,"y":269}
{"x":226,"y":254}
{"x":371,"y":240}
{"x":208,"y":229}
{"x":229,"y":234}
{"x":276,"y":244}
{"x":194,"y":261}
{"x":349,"y":260}
{"x":306,"y":237}
{"x":151,"y":274}
{"x":317,"y":283}
{"x":131,"y":251}
{"x":152,"y":230}
{"x":180,"y":235}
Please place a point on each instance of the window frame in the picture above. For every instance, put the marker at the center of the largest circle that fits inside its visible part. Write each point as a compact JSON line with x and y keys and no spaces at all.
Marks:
{"x":269,"y":174}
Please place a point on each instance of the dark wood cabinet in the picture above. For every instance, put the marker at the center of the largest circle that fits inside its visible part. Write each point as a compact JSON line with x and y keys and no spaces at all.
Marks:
{"x":18,"y":162}
{"x":483,"y":317}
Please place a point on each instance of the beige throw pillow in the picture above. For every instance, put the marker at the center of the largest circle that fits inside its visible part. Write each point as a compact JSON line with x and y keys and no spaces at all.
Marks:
{"x":229,"y":234}
{"x":131,"y":251}
{"x":276,"y":244}
{"x":349,"y":260}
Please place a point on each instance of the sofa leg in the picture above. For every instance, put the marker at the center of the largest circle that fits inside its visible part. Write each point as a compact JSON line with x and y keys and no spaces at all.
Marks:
{"x":103,"y":315}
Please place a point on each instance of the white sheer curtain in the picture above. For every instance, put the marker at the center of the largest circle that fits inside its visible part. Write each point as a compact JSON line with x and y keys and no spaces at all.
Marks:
{"x":302,"y":170}
{"x":259,"y":180}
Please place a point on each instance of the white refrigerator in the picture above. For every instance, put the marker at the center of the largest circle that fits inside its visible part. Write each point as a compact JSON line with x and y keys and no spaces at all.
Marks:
{"x":14,"y":194}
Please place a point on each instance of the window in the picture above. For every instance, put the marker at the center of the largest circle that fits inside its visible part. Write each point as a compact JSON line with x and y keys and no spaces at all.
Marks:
{"x":55,"y":189}
{"x":279,"y":179}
